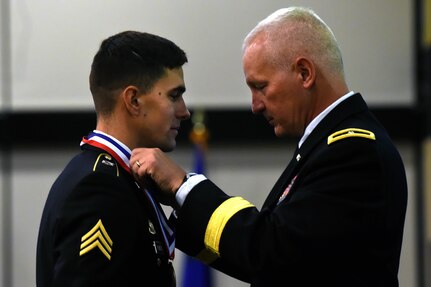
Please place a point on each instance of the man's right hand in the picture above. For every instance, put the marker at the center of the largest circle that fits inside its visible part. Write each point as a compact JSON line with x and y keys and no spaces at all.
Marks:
{"x":152,"y":164}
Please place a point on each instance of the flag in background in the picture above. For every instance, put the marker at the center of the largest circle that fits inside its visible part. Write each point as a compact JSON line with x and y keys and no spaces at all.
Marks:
{"x":196,"y":273}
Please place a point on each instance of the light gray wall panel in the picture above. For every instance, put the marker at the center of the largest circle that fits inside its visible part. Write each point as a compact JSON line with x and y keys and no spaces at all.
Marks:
{"x":53,"y":43}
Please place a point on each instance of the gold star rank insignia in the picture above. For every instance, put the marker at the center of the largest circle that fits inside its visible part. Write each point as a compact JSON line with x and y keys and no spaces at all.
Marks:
{"x":97,"y":237}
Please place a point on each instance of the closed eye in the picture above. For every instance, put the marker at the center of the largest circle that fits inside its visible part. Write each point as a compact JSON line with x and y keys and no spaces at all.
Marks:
{"x":176,"y":93}
{"x":258,"y":86}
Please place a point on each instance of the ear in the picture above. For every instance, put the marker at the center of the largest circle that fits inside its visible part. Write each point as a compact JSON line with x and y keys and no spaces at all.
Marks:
{"x":306,"y":71}
{"x":131,"y":100}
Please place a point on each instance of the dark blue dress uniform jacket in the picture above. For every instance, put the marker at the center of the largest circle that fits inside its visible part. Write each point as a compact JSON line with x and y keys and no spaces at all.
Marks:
{"x":341,"y":224}
{"x":98,"y":229}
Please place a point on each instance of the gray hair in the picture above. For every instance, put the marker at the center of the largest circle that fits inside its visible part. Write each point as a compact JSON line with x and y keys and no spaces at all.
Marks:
{"x":295,"y":31}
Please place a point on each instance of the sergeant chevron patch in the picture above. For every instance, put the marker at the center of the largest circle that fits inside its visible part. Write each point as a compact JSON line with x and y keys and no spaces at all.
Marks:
{"x":97,"y":237}
{"x":350,"y":132}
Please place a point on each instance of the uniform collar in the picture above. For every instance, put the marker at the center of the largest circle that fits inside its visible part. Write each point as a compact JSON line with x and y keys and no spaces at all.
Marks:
{"x":111,"y":145}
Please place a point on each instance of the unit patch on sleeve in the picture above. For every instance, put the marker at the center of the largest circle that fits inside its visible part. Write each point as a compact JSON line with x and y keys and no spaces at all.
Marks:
{"x":97,"y":237}
{"x":350,"y":132}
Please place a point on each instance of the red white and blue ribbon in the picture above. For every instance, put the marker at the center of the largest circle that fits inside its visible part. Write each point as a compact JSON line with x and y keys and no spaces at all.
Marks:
{"x":122,"y":154}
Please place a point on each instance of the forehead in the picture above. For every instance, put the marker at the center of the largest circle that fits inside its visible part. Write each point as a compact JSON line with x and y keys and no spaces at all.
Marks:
{"x":257,"y":58}
{"x":171,"y":79}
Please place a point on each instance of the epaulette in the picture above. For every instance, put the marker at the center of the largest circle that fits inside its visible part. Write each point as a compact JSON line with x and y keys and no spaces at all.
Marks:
{"x":106,"y":163}
{"x":350,"y":132}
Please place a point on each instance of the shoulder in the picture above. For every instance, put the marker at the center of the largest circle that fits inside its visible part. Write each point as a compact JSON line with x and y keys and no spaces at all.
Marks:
{"x":93,"y":170}
{"x":359,"y":143}
{"x":105,"y":163}
{"x":352,"y":142}
{"x":89,"y":163}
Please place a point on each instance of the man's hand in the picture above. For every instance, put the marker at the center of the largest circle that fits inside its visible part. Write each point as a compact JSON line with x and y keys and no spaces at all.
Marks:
{"x":151,"y":165}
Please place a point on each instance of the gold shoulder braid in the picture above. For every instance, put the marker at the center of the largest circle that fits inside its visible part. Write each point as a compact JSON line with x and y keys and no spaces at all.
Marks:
{"x":350,"y":132}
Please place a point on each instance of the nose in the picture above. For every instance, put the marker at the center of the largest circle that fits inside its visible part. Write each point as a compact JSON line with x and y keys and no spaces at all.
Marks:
{"x":257,"y":106}
{"x":183,"y":112}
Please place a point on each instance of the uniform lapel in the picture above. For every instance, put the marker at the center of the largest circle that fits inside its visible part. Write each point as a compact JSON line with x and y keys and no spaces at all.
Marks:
{"x":287,"y":174}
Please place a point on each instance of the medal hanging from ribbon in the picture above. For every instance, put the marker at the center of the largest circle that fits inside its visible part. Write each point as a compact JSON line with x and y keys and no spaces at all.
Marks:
{"x":122,"y":154}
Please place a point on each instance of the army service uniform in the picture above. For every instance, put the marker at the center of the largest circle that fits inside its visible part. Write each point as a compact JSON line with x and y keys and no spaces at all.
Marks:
{"x":334,"y":217}
{"x":99,"y":228}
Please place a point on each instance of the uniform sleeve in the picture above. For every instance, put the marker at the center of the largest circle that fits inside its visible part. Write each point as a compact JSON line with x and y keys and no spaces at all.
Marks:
{"x":93,"y":233}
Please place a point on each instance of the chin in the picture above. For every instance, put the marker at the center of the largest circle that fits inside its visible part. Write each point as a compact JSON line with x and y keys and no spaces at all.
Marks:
{"x":279,"y":132}
{"x":283,"y":133}
{"x":168,"y":147}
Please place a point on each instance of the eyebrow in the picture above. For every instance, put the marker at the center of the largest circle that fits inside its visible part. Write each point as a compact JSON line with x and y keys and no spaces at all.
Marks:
{"x":181,"y":89}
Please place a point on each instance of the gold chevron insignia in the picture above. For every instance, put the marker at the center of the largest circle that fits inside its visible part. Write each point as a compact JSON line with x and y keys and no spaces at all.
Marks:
{"x":350,"y":132}
{"x":97,"y":237}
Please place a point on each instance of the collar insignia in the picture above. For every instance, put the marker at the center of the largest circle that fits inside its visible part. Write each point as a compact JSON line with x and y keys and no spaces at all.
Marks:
{"x":151,"y":228}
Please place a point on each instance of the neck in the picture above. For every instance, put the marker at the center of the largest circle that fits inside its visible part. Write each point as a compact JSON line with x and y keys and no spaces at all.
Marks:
{"x":326,"y":94}
{"x":117,"y":128}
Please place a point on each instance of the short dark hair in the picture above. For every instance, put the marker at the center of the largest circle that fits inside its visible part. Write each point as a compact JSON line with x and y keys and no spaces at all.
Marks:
{"x":130,"y":58}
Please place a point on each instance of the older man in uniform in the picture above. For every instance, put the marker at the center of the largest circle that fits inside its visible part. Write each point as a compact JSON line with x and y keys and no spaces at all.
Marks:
{"x":335,"y":216}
